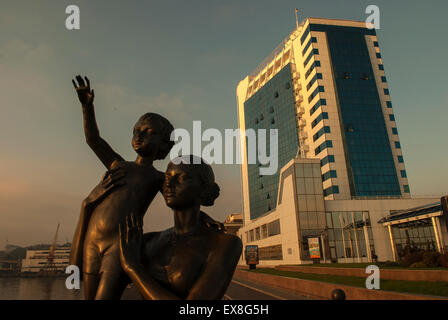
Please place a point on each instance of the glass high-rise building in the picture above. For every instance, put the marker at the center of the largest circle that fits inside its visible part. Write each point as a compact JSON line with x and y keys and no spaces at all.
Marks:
{"x":325,"y":89}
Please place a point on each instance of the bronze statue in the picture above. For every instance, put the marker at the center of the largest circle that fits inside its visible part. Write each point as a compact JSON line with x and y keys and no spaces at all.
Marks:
{"x":192,"y":260}
{"x":126,"y":187}
{"x":129,"y":187}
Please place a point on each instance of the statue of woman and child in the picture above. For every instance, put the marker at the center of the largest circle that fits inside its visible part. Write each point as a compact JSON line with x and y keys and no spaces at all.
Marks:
{"x":195,"y":259}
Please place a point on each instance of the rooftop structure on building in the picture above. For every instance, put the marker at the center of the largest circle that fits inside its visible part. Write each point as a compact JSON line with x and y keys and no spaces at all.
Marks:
{"x":233,"y":223}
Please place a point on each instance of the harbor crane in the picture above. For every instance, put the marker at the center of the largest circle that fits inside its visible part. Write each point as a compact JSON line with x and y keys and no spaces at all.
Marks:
{"x":50,"y":267}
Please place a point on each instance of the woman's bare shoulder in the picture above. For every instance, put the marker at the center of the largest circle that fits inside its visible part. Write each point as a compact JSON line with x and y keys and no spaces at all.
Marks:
{"x":226,"y":243}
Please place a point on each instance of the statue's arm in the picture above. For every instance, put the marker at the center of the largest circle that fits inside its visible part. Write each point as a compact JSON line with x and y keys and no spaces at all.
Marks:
{"x":148,"y":287}
{"x":219,"y":269}
{"x":101,"y":148}
{"x":131,"y":244}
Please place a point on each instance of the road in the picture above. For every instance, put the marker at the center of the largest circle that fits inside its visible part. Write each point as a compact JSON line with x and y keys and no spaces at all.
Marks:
{"x":237,"y":290}
{"x":243,"y":290}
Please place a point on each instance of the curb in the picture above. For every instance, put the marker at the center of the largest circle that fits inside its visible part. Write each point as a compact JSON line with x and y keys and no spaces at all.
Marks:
{"x":390,"y":274}
{"x":323,"y":290}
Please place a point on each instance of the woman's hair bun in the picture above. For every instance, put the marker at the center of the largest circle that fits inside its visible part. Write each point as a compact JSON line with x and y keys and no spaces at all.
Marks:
{"x":210,"y":193}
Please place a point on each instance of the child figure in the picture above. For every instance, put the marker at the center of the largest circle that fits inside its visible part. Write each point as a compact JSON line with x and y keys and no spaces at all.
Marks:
{"x":127,"y":187}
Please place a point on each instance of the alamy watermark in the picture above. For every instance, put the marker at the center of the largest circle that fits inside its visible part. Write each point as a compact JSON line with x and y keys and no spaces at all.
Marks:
{"x":373,"y":280}
{"x":256,"y":147}
{"x":373,"y":20}
{"x":73,"y":281}
{"x":73,"y":21}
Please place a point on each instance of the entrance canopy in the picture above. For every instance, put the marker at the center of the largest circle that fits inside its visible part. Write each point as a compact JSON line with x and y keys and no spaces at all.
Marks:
{"x":413,"y":217}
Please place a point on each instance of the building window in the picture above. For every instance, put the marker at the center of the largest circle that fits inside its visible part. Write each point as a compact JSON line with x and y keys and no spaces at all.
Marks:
{"x":315,"y":92}
{"x":305,"y":34}
{"x":321,"y":102}
{"x":345,"y":75}
{"x":305,"y":63}
{"x":375,"y":44}
{"x":287,"y":86}
{"x":347,"y":232}
{"x":313,"y":80}
{"x":319,"y":118}
{"x":327,"y":159}
{"x":403,"y":173}
{"x":264,"y":231}
{"x":319,"y":133}
{"x":378,"y":55}
{"x":386,"y":92}
{"x":397,"y":145}
{"x":270,"y":253}
{"x":323,"y":146}
{"x":312,"y":40}
{"x":364,"y":76}
{"x":406,"y":188}
{"x":257,"y":233}
{"x":276,"y":94}
{"x":389,"y":104}
{"x":400,"y":159}
{"x":274,"y":228}
{"x":331,"y":190}
{"x":311,"y":68}
{"x":329,"y":174}
{"x":272,"y":121}
{"x":381,"y":67}
{"x":391,"y":117}
{"x":383,"y":79}
{"x":394,"y":131}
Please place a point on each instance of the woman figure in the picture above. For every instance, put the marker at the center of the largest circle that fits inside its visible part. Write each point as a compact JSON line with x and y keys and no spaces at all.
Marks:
{"x":192,"y":260}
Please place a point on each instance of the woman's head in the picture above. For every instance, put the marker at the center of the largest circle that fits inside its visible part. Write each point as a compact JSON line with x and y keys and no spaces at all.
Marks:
{"x":152,"y":136}
{"x":189,"y":182}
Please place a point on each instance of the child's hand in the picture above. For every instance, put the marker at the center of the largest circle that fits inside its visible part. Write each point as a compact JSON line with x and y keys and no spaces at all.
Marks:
{"x":85,"y":95}
{"x":131,"y":239}
{"x":112,"y":179}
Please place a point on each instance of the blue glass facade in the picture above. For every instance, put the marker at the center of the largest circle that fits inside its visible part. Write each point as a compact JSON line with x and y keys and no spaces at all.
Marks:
{"x":370,"y":162}
{"x":271,"y":107}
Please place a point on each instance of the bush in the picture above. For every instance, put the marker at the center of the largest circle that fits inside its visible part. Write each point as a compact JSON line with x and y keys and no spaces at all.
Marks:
{"x":388,"y":264}
{"x":442,"y":261}
{"x":418,"y":265}
{"x":411,"y":258}
{"x":430,"y":258}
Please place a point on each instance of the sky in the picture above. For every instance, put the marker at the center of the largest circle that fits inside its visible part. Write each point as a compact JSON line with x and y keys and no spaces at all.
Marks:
{"x":182,"y":59}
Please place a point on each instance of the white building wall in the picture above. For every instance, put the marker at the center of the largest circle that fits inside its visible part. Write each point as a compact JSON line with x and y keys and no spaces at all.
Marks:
{"x":241,"y":93}
{"x":36,"y":260}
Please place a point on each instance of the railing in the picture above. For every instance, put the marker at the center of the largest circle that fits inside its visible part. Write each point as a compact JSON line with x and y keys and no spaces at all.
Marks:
{"x":393,"y":197}
{"x":273,"y":54}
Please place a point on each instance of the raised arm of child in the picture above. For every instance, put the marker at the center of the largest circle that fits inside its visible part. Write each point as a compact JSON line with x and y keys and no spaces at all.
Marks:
{"x":101,"y":148}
